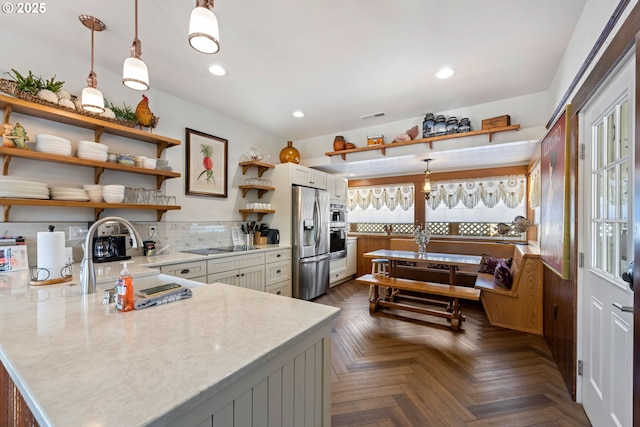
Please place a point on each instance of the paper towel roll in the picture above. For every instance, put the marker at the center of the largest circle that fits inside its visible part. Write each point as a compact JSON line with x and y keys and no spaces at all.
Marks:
{"x":51,"y":252}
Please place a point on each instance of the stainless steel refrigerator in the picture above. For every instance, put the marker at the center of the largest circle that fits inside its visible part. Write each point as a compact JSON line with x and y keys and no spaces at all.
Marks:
{"x":310,"y":239}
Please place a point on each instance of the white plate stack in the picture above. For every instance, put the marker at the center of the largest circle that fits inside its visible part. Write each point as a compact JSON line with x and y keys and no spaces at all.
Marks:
{"x":69,"y":193}
{"x":92,"y":151}
{"x":113,"y":193}
{"x":94,"y":192}
{"x":53,"y":145}
{"x":17,"y":189}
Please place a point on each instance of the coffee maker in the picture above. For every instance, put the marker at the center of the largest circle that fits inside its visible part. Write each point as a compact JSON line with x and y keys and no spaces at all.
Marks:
{"x":111,"y":243}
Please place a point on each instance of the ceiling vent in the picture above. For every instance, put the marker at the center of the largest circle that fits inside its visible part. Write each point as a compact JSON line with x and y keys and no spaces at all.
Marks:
{"x":372,"y":116}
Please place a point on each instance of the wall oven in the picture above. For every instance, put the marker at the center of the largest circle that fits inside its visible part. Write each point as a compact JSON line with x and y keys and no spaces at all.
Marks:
{"x":338,"y":231}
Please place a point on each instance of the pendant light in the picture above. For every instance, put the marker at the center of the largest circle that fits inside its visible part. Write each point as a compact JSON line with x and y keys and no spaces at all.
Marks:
{"x":426,"y":187}
{"x":92,"y":99}
{"x":134,"y":72}
{"x":204,"y":35}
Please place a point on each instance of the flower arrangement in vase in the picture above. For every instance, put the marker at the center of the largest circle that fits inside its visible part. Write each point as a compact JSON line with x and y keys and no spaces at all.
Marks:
{"x":421,"y":236}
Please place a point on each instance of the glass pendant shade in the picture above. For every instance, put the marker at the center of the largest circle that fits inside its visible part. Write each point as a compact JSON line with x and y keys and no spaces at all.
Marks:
{"x":135,"y":74}
{"x":92,"y":100}
{"x":204,"y":34}
{"x":426,"y":188}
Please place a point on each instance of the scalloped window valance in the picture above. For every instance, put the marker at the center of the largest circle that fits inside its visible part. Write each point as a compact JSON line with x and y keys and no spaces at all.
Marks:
{"x":509,"y":189}
{"x":396,"y":196}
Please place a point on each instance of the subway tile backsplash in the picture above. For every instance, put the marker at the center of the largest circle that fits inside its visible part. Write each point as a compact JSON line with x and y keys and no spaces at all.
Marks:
{"x":177,"y":235}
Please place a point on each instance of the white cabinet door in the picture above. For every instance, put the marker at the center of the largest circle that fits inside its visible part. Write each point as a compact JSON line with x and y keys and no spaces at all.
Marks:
{"x":187,"y":270}
{"x":340,"y":189}
{"x":231,"y":277}
{"x":337,"y":270}
{"x":337,"y":187}
{"x":302,"y":175}
{"x":250,"y":277}
{"x":352,"y":256}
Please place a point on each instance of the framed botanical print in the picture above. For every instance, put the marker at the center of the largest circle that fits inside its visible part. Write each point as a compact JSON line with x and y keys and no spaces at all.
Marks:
{"x":206,"y":164}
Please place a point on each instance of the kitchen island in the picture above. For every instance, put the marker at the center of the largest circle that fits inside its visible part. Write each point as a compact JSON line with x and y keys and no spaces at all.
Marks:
{"x":227,"y":356}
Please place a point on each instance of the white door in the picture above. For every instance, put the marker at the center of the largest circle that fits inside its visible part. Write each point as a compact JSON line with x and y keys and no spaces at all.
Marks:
{"x":605,"y":329}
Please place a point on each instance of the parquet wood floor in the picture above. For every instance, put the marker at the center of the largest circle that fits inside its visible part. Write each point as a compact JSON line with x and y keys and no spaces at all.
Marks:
{"x":406,"y":369}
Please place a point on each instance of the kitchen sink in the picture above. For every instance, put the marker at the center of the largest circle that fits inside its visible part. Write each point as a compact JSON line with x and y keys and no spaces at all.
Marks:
{"x":220,"y":250}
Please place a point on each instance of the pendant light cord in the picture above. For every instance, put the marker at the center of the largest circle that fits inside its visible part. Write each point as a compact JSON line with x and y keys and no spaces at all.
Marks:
{"x":136,"y":23}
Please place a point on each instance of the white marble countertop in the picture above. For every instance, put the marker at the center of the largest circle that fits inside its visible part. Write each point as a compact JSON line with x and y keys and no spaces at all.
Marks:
{"x":79,"y":362}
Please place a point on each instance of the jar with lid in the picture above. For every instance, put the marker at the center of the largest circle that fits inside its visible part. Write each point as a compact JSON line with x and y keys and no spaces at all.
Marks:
{"x":427,"y":125}
{"x":464,"y":125}
{"x":440,"y":126}
{"x":452,"y":125}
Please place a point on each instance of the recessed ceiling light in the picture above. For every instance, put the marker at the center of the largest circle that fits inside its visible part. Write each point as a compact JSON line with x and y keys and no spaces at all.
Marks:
{"x":298,"y":114}
{"x":445,"y":73}
{"x":217,"y":70}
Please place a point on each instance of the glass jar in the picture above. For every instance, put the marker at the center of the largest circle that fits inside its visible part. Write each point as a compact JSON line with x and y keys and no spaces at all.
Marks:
{"x":440,"y":126}
{"x":464,"y":125}
{"x":427,"y":125}
{"x":452,"y":125}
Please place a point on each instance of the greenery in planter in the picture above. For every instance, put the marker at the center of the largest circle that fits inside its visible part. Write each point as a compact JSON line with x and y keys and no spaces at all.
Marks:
{"x":30,"y":83}
{"x":51,"y":84}
{"x":124,"y":113}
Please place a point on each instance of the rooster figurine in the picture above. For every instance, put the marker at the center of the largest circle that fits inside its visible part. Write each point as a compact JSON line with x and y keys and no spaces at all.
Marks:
{"x":144,"y":116}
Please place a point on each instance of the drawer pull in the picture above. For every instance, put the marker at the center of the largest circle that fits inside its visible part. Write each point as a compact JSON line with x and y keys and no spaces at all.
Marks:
{"x":279,"y":293}
{"x":278,"y":256}
{"x":185,"y":271}
{"x":278,"y":271}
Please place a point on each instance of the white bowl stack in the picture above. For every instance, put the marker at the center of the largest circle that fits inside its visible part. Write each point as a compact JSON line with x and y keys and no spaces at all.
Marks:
{"x":53,"y":145}
{"x":113,"y":193}
{"x":69,"y":193}
{"x":92,"y":151}
{"x":149,"y":163}
{"x":94,"y":192}
{"x":18,"y":189}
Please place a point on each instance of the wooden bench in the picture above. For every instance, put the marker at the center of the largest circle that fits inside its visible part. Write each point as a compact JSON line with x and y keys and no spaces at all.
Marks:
{"x":454,"y":293}
{"x":520,"y":307}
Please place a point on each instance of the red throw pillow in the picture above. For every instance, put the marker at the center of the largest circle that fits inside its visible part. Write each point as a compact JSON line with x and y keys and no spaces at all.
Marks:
{"x":502,"y":275}
{"x":488,"y":263}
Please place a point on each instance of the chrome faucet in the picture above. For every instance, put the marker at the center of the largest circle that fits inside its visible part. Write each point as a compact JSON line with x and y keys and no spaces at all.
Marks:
{"x":87,"y":271}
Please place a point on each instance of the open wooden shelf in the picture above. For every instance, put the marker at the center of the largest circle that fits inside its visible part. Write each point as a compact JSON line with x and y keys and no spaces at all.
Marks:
{"x":8,"y":153}
{"x":430,"y":140}
{"x":261,"y":213}
{"x":98,"y":207}
{"x":11,"y":104}
{"x":262,"y":166}
{"x":261,"y":189}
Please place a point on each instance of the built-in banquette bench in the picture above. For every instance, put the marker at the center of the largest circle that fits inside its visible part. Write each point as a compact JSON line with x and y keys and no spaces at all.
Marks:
{"x":518,"y":308}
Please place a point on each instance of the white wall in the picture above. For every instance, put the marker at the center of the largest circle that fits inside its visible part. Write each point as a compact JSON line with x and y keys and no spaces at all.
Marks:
{"x":175,"y":115}
{"x":595,"y":15}
{"x":529,"y":111}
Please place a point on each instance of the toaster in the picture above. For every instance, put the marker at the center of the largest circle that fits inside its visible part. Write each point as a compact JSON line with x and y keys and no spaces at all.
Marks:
{"x":273,"y":236}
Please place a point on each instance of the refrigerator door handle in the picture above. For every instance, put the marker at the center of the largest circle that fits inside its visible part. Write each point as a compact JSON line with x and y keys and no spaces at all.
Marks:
{"x":317,"y":219}
{"x":313,"y":259}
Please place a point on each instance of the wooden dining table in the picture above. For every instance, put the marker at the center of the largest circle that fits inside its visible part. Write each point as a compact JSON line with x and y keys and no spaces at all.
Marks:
{"x":395,"y":285}
{"x":451,"y":260}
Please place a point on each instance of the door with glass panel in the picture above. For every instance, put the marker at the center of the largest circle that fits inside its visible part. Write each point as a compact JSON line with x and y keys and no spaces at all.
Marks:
{"x":606,"y":243}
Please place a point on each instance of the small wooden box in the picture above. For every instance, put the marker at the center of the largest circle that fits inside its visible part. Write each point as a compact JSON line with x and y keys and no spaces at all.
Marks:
{"x":258,"y":239}
{"x":375,"y":140}
{"x":496,"y":122}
